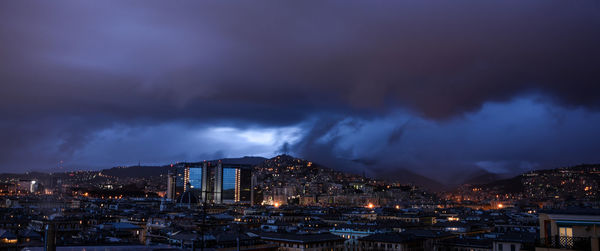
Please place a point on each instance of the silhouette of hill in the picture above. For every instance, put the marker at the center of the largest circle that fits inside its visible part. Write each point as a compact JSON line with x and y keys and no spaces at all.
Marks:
{"x":481,"y":176}
{"x":151,"y":171}
{"x":136,"y":171}
{"x":250,"y":160}
{"x":548,"y":180}
{"x":511,"y":185}
{"x":409,"y":177}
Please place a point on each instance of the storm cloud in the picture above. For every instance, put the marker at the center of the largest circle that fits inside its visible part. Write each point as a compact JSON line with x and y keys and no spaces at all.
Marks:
{"x":81,"y":79}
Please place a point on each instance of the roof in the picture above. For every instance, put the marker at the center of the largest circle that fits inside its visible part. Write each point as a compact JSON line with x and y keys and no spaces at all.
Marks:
{"x":188,"y":197}
{"x":7,"y":234}
{"x":573,"y":211}
{"x":468,"y":242}
{"x":124,"y":226}
{"x":391,"y":237}
{"x":300,"y":238}
{"x":29,"y":233}
{"x":425,"y":233}
{"x":186,"y":235}
{"x":520,"y":237}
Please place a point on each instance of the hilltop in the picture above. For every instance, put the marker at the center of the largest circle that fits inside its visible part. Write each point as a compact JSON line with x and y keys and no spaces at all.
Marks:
{"x":152,"y":171}
{"x":581,"y":182}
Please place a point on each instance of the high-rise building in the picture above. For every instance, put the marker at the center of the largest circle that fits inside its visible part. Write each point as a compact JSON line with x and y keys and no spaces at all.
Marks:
{"x":179,"y":178}
{"x":235,"y":183}
{"x":171,"y":186}
{"x":216,"y":182}
{"x":194,"y":177}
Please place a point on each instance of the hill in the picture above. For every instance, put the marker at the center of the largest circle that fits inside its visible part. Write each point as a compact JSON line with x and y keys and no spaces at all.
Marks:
{"x":406,"y":176}
{"x":136,"y":171}
{"x":153,"y":171}
{"x":567,"y":182}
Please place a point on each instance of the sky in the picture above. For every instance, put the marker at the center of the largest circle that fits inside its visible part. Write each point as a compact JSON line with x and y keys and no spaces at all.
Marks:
{"x":436,"y":87}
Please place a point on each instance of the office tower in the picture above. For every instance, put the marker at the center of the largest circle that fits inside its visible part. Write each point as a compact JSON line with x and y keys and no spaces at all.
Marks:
{"x":253,"y":181}
{"x":229,"y":189}
{"x":234,"y":183}
{"x":179,"y":178}
{"x":194,"y":177}
{"x":216,"y":182}
{"x":245,"y":185}
{"x":171,"y":186}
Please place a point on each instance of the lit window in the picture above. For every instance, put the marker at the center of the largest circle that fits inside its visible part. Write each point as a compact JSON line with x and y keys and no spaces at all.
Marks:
{"x":565,"y":234}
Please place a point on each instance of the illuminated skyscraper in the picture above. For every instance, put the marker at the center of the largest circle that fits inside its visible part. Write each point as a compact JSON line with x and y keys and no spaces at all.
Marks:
{"x":235,"y":183}
{"x":195,"y":177}
{"x":216,"y":182}
{"x":171,"y":186}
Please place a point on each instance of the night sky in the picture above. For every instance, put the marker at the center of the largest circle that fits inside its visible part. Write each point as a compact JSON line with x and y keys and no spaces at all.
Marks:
{"x":441,"y":88}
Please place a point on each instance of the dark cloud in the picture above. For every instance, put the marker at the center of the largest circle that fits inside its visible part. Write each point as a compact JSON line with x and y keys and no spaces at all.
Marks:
{"x":502,"y":138}
{"x":71,"y":70}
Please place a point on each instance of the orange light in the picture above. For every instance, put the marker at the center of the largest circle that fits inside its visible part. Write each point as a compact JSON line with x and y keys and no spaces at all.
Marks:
{"x":371,"y":206}
{"x":397,"y":207}
{"x":276,"y":204}
{"x":500,"y":205}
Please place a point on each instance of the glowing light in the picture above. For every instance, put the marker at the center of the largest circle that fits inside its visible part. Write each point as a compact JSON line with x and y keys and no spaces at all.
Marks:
{"x":500,"y":205}
{"x":371,"y":206}
{"x":276,"y":204}
{"x":397,"y":206}
{"x":9,"y":241}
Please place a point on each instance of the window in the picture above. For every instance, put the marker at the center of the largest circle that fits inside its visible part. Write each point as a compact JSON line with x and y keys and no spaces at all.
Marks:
{"x":565,"y":231}
{"x":500,"y":247}
{"x":565,"y":236}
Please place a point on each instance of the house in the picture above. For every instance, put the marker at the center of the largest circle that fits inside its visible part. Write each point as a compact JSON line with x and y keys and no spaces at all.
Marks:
{"x":572,"y":229}
{"x":304,"y":241}
{"x":391,"y":241}
{"x":464,"y":244}
{"x":7,"y":237}
{"x":121,"y":230}
{"x":514,"y":241}
{"x":353,"y":232}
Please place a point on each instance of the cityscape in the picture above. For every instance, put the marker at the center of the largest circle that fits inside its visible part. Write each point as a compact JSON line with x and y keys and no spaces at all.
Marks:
{"x":288,"y":203}
{"x":270,"y":125}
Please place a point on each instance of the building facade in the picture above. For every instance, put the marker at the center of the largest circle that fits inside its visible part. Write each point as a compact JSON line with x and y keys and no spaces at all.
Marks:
{"x":569,"y":230}
{"x":219,"y":183}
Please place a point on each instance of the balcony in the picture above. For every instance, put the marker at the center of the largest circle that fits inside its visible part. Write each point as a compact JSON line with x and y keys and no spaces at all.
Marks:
{"x":567,"y":243}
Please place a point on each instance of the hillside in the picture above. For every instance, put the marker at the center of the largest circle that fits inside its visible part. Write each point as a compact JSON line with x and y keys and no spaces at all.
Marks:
{"x":152,"y":171}
{"x":579,"y":182}
{"x":406,"y":176}
{"x":136,"y":171}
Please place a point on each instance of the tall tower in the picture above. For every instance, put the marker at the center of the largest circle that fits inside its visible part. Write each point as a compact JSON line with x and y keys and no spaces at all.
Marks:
{"x":216,"y":182}
{"x":253,"y":182}
{"x":205,"y":181}
{"x":171,"y":186}
{"x":218,"y":190}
